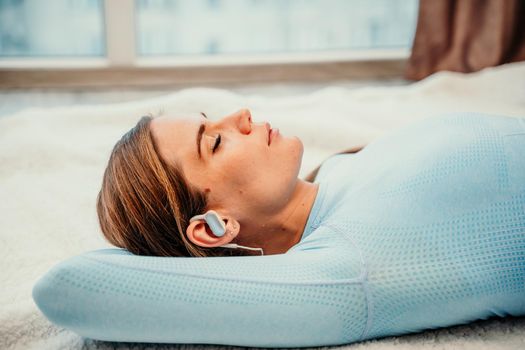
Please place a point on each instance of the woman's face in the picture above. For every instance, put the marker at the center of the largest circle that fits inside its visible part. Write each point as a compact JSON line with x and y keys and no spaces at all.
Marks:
{"x":242,"y":174}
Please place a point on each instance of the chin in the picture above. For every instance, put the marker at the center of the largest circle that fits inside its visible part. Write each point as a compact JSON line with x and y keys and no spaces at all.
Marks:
{"x":298,"y":151}
{"x":300,"y":146}
{"x":294,"y":152}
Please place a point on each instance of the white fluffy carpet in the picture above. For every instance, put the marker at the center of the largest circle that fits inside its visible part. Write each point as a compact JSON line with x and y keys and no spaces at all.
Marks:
{"x":52,"y":161}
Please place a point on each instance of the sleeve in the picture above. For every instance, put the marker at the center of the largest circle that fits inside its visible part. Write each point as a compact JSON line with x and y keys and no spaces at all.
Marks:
{"x":310,"y":296}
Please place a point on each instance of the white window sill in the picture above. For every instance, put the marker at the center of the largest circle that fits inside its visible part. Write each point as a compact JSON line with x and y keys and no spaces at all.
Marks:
{"x":199,"y":70}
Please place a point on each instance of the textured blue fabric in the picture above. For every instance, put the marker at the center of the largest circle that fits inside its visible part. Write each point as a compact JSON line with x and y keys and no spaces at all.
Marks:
{"x":424,"y":228}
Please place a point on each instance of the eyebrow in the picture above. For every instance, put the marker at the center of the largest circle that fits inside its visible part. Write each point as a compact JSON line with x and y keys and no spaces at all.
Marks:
{"x":201,"y":130}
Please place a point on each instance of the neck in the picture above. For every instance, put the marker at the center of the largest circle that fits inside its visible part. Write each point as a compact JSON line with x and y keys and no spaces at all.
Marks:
{"x":285,"y":229}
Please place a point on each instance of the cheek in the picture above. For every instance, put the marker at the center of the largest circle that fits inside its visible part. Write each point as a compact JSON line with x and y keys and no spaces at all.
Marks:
{"x":249,"y":166}
{"x":240,"y":167}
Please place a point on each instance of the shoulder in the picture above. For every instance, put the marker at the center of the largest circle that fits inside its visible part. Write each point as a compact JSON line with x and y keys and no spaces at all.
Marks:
{"x":334,"y":163}
{"x":312,"y":177}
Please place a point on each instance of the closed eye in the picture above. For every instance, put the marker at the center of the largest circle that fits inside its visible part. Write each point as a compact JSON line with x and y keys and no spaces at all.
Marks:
{"x":217,"y":142}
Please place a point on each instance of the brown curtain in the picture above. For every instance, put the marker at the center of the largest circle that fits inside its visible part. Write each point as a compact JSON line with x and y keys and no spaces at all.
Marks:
{"x":466,"y":36}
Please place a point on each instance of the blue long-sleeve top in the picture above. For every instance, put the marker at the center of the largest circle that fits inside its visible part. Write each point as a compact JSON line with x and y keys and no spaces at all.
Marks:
{"x":423,"y":228}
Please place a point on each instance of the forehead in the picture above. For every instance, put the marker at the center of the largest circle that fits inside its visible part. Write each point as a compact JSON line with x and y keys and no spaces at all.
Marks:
{"x":175,"y":137}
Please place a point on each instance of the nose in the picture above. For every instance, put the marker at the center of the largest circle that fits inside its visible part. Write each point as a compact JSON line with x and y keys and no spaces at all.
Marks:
{"x":240,"y":121}
{"x":244,"y":121}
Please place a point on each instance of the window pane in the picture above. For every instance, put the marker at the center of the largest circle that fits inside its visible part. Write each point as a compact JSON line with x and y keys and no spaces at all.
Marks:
{"x":51,"y":28}
{"x":176,"y":27}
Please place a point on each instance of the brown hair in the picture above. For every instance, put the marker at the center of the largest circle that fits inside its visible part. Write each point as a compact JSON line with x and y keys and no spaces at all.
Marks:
{"x":145,"y":204}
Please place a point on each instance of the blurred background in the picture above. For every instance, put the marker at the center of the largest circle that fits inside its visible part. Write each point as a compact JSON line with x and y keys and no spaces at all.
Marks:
{"x":60,"y":52}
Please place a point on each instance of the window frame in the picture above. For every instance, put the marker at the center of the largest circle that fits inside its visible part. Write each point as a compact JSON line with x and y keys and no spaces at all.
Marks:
{"x":121,"y":58}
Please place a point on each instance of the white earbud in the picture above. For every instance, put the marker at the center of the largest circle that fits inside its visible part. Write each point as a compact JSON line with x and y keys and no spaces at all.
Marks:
{"x":217,"y":226}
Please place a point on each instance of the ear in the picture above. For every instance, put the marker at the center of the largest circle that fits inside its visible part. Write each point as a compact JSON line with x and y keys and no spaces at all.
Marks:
{"x":233,"y":227}
{"x":199,"y":233}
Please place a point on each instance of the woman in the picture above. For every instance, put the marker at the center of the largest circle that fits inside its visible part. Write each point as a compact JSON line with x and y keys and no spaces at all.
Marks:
{"x":423,"y":228}
{"x":165,"y":171}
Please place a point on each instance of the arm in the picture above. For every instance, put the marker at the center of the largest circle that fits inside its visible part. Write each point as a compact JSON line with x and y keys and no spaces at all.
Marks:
{"x":302,"y":298}
{"x":311,"y":177}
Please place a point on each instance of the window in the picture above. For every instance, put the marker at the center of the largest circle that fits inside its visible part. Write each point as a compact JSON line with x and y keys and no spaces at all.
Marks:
{"x":158,"y":42}
{"x":209,"y":27}
{"x":36,"y":28}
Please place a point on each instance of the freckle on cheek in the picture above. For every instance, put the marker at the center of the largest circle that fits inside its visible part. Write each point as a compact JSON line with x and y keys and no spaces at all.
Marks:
{"x":241,"y":191}
{"x":207,"y":190}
